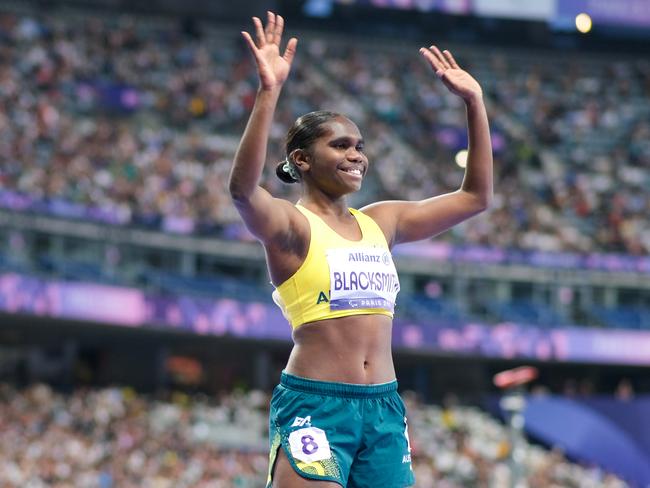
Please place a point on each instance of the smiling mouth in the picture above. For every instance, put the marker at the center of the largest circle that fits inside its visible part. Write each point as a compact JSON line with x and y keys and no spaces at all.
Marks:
{"x":353,"y":171}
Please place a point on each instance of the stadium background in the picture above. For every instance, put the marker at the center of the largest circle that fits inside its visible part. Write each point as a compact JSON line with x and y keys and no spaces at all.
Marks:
{"x":129,"y":287}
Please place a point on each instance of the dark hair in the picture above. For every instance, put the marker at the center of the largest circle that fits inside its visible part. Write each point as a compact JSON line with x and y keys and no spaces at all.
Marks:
{"x":302,"y":134}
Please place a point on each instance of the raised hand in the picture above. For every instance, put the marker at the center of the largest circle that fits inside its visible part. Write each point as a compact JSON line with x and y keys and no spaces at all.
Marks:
{"x":273,"y":68}
{"x":457,"y":80}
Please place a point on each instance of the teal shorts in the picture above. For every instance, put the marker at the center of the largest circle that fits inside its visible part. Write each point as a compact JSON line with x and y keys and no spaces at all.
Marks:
{"x":351,"y":434}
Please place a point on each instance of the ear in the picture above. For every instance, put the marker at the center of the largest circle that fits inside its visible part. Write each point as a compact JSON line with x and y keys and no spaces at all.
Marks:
{"x":301,"y":159}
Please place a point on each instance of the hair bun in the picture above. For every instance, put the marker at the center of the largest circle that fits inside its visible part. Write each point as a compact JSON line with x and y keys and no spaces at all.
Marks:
{"x":284,"y":171}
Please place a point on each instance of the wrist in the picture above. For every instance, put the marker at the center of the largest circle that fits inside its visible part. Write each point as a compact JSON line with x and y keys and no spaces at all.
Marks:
{"x":269,"y":93}
{"x":474,"y":99}
{"x":269,"y":89}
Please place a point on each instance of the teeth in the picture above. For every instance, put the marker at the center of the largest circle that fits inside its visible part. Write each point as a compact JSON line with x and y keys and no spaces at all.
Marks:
{"x":353,"y":171}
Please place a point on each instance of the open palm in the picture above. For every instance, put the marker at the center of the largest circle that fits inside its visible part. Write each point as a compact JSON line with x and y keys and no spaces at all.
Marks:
{"x":273,"y":68}
{"x":457,"y":80}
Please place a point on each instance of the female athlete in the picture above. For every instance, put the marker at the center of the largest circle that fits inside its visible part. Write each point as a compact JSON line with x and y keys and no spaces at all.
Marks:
{"x":336,"y":418}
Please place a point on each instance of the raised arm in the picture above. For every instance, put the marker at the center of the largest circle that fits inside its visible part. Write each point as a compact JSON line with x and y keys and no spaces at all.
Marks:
{"x":265,"y":216}
{"x":412,"y":221}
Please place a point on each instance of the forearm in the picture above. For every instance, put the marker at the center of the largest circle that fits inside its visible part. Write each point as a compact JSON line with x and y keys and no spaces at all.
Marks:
{"x":251,"y":153}
{"x":478,"y":172}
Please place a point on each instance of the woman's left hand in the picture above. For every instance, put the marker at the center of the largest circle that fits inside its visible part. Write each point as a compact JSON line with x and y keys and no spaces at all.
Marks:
{"x":457,"y":80}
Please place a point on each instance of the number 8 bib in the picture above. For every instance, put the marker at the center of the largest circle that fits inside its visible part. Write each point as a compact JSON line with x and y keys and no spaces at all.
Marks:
{"x":309,"y":444}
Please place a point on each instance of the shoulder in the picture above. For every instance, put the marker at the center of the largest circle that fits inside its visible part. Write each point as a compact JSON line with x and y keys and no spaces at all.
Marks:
{"x":383,"y":210}
{"x":384,"y":214}
{"x":363,"y":216}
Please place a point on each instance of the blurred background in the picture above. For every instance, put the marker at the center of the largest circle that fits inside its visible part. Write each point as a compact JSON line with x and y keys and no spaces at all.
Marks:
{"x":138,"y":340}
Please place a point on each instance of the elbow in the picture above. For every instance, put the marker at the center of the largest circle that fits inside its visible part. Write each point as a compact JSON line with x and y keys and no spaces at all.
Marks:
{"x":236,"y":195}
{"x":485,"y":201}
{"x":239,"y":198}
{"x":482,"y":201}
{"x":237,"y":192}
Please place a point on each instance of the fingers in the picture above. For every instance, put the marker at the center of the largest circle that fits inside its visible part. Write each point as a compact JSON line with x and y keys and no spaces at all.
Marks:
{"x":270,"y":27}
{"x":450,"y":59}
{"x":279,"y":27}
{"x":272,"y":33}
{"x":259,"y":32}
{"x":440,"y":57}
{"x":290,"y":51}
{"x":433,"y":61}
{"x":440,"y":60}
{"x":249,"y":41}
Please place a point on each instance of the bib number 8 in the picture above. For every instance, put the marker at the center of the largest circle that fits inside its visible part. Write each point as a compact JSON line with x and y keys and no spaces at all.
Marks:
{"x":309,"y":444}
{"x":309,"y":447}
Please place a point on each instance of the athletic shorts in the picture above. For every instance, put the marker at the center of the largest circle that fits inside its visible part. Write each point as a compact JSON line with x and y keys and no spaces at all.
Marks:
{"x":351,"y":434}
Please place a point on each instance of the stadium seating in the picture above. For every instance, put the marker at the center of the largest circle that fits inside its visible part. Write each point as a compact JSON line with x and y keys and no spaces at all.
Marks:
{"x":117,"y":437}
{"x":148,"y":139}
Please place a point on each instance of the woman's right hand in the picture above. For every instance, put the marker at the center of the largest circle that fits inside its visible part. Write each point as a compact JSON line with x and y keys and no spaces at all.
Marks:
{"x":273,"y":69}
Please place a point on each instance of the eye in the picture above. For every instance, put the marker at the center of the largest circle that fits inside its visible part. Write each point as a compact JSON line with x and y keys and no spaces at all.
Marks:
{"x":360,"y":147}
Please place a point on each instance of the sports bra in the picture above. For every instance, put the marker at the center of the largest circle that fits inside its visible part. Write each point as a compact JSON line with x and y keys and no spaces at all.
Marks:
{"x":340,"y":277}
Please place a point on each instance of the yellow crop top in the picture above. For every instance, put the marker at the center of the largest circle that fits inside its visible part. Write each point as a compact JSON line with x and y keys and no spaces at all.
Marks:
{"x":362,"y":273}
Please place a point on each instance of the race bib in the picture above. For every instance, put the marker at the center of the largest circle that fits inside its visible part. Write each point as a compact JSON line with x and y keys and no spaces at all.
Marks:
{"x":362,"y":278}
{"x":309,"y":444}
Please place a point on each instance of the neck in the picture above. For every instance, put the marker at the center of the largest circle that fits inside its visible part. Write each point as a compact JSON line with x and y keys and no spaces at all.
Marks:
{"x":324,"y":204}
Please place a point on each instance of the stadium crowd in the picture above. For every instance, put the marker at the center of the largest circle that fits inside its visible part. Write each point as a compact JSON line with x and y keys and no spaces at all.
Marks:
{"x":115,"y":437}
{"x":135,"y":123}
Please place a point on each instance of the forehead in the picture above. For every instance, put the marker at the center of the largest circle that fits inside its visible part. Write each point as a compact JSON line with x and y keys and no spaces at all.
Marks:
{"x":341,"y":127}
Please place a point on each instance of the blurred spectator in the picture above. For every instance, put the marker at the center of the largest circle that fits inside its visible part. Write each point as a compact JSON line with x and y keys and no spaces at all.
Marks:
{"x":116,"y":437}
{"x":135,"y":123}
{"x":624,"y":390}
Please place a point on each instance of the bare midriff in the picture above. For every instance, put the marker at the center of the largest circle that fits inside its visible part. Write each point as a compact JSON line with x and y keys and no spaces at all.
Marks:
{"x":355,"y":349}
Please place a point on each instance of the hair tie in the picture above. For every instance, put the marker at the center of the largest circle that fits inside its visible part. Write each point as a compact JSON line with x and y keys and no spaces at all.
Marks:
{"x":291,"y":170}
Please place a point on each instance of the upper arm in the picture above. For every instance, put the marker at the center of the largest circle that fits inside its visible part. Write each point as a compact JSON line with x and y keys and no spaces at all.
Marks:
{"x":265,"y":216}
{"x":404,"y":221}
{"x":281,"y":227}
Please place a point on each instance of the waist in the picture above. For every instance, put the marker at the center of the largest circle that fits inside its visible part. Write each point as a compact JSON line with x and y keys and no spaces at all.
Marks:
{"x":354,"y":349}
{"x":332,"y":388}
{"x":364,"y":332}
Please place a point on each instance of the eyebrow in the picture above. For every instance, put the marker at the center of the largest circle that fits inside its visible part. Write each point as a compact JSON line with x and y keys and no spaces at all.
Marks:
{"x":347,"y":139}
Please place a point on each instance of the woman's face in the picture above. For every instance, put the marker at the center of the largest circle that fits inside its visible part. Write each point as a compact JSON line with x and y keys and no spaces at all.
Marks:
{"x":337,"y":163}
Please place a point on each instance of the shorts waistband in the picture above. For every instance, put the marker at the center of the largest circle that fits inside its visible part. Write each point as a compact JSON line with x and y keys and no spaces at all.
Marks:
{"x":345,"y":390}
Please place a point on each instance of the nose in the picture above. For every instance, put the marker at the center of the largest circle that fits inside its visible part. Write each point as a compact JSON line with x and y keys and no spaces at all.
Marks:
{"x":353,"y":154}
